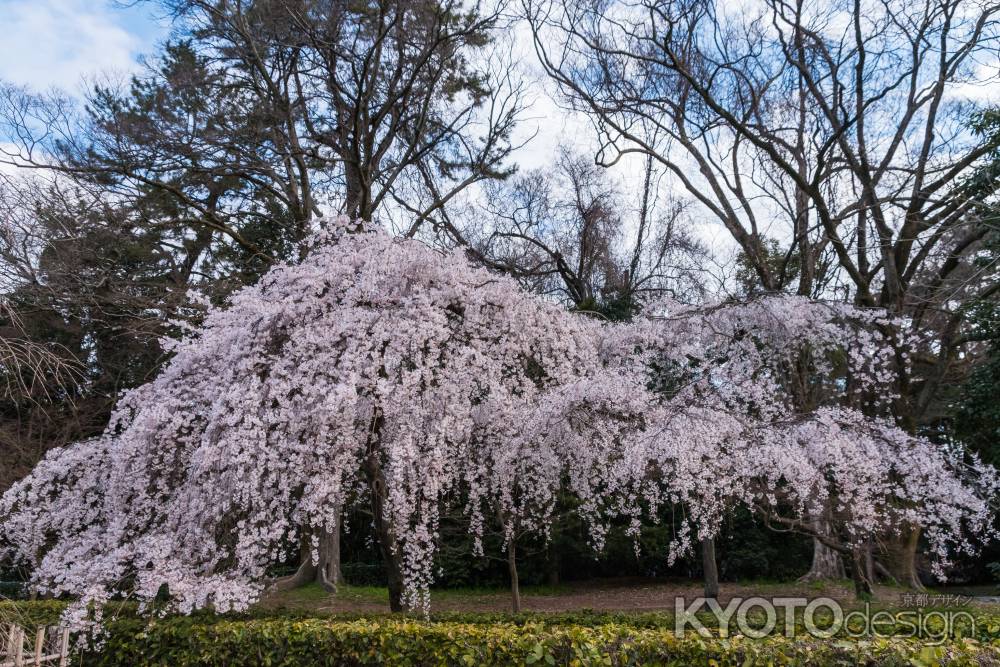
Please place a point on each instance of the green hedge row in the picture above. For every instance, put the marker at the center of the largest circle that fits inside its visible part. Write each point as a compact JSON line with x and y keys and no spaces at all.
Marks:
{"x":188,"y":641}
{"x":44,"y":612}
{"x":280,"y":637}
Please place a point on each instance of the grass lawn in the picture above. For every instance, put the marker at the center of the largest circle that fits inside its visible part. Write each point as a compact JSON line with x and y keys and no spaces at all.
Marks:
{"x":610,"y":595}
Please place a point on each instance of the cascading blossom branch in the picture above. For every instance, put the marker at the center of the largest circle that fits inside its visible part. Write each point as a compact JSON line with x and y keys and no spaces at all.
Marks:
{"x":751,"y":404}
{"x":375,"y":371}
{"x":382,"y":372}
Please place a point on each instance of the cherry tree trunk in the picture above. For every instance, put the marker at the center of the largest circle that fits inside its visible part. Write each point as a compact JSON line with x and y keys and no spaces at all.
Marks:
{"x":515,"y":587}
{"x":827,"y":563}
{"x":391,"y":560}
{"x":902,"y":558}
{"x":304,"y":575}
{"x":326,"y":572}
{"x":383,"y":532}
{"x":862,"y":572}
{"x":710,"y":568}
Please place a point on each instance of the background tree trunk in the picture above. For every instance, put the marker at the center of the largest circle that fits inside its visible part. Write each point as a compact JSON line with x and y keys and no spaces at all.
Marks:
{"x":710,"y":568}
{"x":551,"y":565}
{"x":515,"y":587}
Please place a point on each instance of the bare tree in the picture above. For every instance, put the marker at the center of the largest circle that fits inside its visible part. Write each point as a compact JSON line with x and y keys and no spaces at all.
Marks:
{"x":840,"y":130}
{"x":42,"y":376}
{"x":568,"y":231}
{"x":29,"y":369}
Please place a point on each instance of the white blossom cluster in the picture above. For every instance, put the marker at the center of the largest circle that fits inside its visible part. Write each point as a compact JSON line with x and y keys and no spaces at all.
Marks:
{"x":378,"y":365}
{"x":700,"y":410}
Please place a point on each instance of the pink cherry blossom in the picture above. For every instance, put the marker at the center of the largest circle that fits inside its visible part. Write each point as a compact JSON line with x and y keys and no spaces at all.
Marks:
{"x":378,"y":361}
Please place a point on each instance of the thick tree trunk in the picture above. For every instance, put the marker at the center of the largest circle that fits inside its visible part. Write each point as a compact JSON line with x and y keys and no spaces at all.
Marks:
{"x":306,"y":574}
{"x":326,"y":573}
{"x":869,"y":563}
{"x":827,"y":563}
{"x":357,"y":200}
{"x":710,"y":568}
{"x":515,"y":587}
{"x":902,"y":558}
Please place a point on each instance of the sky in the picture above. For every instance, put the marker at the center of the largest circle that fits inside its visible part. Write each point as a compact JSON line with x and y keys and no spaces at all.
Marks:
{"x":65,"y":43}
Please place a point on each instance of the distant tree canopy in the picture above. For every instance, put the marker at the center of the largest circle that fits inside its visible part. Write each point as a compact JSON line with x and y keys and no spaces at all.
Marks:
{"x":977,"y":419}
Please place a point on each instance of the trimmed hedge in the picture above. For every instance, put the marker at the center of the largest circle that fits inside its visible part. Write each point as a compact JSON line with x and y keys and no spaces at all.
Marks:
{"x":280,"y":637}
{"x":31,"y":613}
{"x":187,"y":641}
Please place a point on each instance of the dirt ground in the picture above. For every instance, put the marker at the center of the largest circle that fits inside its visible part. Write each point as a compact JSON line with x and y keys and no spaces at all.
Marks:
{"x":625,"y":595}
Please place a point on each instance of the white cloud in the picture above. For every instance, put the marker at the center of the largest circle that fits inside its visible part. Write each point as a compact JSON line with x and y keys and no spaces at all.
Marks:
{"x":61,"y":43}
